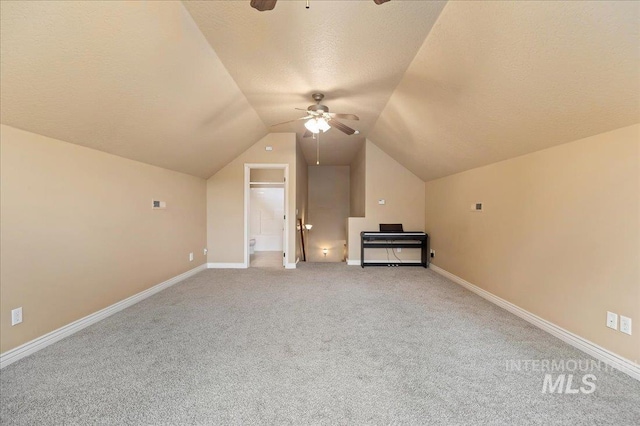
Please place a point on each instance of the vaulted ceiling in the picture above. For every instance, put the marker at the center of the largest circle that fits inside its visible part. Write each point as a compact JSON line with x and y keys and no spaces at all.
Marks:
{"x":440,"y":87}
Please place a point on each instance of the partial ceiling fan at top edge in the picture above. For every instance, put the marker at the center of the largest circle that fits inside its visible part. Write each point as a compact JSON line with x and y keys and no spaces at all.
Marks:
{"x":264,"y":5}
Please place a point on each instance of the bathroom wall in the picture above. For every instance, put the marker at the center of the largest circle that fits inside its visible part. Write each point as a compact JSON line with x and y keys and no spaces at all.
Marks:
{"x":267,"y":218}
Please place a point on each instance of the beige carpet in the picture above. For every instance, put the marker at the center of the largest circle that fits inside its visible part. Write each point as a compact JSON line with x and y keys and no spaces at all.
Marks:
{"x":323,"y":344}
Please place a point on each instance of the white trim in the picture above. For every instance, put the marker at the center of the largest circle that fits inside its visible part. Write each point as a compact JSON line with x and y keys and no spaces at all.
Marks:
{"x":266,"y":183}
{"x":287,"y":195}
{"x":290,"y":266}
{"x":216,"y":265}
{"x":247,"y":180}
{"x":596,"y":351}
{"x":13,"y":355}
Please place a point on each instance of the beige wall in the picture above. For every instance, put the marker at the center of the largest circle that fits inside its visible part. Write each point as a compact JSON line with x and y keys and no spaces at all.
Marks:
{"x":225,"y":198}
{"x":559,"y":237}
{"x":403,"y":193}
{"x":266,"y":175}
{"x":357,"y":180}
{"x":79,"y":234}
{"x":301,"y":196}
{"x":328,"y":212}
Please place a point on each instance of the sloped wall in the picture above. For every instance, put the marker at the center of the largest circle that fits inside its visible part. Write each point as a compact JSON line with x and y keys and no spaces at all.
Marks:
{"x":328,"y":212}
{"x":301,"y":197}
{"x":79,"y":233}
{"x":225,"y":199}
{"x":403,"y":193}
{"x":559,"y":235}
{"x":357,"y":183}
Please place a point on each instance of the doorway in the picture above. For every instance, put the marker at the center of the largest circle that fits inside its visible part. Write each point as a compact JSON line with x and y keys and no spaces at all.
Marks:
{"x":266,"y":203}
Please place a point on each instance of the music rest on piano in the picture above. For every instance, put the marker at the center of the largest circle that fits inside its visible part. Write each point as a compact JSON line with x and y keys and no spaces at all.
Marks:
{"x":392,"y":240}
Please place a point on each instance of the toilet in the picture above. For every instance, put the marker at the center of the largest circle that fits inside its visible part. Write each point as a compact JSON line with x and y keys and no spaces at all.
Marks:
{"x":252,"y":245}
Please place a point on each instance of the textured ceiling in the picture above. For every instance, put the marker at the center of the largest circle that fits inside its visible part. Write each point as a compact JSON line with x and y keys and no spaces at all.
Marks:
{"x":355,"y":52}
{"x":136,"y":79}
{"x":440,"y":88}
{"x":495,"y":80}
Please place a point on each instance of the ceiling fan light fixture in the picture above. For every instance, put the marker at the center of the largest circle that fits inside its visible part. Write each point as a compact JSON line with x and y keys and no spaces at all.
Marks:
{"x":312,"y":126}
{"x":315,"y":125}
{"x":324,"y":126}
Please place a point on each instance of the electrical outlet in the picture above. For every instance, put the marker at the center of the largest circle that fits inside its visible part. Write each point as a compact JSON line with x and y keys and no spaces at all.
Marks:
{"x":16,"y":316}
{"x":612,"y":320}
{"x":190,"y":257}
{"x":433,"y":253}
{"x":206,"y":251}
{"x":625,"y":324}
{"x":399,"y":249}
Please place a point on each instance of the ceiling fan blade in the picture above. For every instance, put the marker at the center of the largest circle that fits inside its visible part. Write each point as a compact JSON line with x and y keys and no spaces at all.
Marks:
{"x":291,"y":121}
{"x":263,"y":5}
{"x":342,"y":127}
{"x":345,"y":116}
{"x":307,"y":134}
{"x":380,"y":1}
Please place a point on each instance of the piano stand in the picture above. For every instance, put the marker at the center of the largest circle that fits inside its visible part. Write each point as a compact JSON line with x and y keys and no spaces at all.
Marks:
{"x":392,"y":240}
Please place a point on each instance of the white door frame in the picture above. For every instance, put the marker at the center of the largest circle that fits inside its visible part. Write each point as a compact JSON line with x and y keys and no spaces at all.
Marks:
{"x":247,"y":194}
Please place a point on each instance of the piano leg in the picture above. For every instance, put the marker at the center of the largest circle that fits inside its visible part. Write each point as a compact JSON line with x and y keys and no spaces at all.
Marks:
{"x":425,"y":252}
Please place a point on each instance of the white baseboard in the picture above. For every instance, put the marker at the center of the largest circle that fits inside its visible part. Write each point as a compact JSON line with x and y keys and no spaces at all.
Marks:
{"x":290,"y":266}
{"x":596,"y":351}
{"x":353,"y":262}
{"x":41,"y":342}
{"x":226,"y":266}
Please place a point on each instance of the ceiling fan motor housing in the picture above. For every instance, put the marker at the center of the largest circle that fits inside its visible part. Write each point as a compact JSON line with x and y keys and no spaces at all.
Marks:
{"x":318,"y":108}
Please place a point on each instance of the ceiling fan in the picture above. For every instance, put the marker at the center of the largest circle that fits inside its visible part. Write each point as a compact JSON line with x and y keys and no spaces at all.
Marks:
{"x":263,"y":5}
{"x":319,"y":119}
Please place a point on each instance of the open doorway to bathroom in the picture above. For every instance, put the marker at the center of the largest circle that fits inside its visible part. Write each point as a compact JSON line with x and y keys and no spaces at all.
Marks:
{"x":266,"y":216}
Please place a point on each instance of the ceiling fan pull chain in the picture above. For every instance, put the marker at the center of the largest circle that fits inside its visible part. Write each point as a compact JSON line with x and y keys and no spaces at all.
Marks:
{"x":318,"y":149}
{"x":307,"y":6}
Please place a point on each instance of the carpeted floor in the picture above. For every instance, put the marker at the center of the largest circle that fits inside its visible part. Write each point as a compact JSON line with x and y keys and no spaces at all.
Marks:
{"x":323,"y":344}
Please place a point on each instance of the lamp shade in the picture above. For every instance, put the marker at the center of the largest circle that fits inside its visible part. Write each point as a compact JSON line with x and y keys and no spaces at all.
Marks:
{"x":315,"y":125}
{"x":323,"y":125}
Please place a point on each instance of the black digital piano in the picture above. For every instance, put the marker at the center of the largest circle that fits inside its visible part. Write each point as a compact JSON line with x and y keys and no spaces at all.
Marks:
{"x":393,"y":240}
